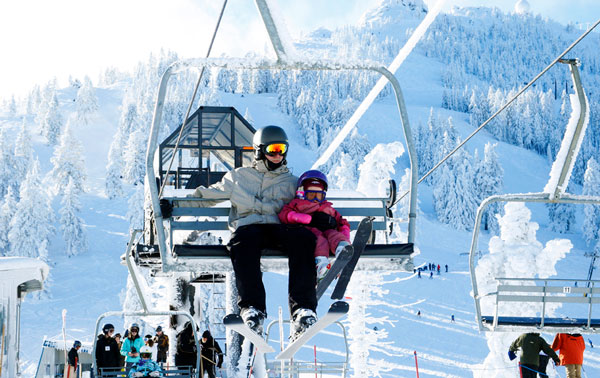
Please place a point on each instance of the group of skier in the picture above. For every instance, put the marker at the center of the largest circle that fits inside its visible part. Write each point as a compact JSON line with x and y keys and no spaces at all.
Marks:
{"x":271,"y":208}
{"x":536,"y":352}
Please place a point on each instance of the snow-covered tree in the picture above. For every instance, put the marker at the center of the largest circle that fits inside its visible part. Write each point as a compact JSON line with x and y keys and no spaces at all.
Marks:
{"x":68,"y":163}
{"x":591,"y":187}
{"x":7,"y":213}
{"x":71,"y":224}
{"x":22,"y":158}
{"x":52,"y":122}
{"x":135,"y":213}
{"x":377,"y":168}
{"x":134,"y":158}
{"x":114,"y":169}
{"x":86,"y":102}
{"x":488,"y":180}
{"x":31,"y":226}
{"x":516,"y":253}
{"x":6,"y":164}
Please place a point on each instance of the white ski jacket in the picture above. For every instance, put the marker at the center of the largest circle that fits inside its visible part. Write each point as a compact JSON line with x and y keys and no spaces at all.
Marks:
{"x":256,"y":194}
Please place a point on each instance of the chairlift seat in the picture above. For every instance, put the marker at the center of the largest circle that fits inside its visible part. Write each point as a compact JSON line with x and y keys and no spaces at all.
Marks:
{"x":537,"y":321}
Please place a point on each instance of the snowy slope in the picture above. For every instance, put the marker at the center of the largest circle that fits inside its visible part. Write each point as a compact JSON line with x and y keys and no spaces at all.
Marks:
{"x":94,"y":282}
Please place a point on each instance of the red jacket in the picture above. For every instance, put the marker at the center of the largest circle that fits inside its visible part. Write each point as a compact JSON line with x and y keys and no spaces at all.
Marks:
{"x":571,"y":348}
{"x":300,"y":205}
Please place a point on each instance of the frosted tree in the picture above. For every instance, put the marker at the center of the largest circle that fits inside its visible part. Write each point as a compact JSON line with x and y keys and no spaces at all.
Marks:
{"x":488,"y":180}
{"x":71,"y":224}
{"x":22,"y":157}
{"x":53,"y":121}
{"x":248,"y":117}
{"x":344,"y":175}
{"x":134,"y":157}
{"x":68,"y":163}
{"x":45,"y":96}
{"x":12,"y":106}
{"x":135,"y":213}
{"x":114,"y":168}
{"x":562,"y":215}
{"x":377,"y":168}
{"x":454,"y":196}
{"x":86,"y":103}
{"x":6,"y":164}
{"x":31,"y":226}
{"x":516,"y":253}
{"x":591,"y":187}
{"x":7,"y":213}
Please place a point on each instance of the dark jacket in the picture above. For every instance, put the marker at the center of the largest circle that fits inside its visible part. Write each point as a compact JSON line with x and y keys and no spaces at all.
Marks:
{"x":73,"y":357}
{"x":186,"y":347}
{"x":211,"y":351}
{"x":531,"y":344}
{"x":107,"y":352}
{"x":162,"y":343}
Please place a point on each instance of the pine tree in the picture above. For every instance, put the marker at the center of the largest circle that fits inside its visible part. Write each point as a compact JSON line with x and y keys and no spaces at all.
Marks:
{"x":135,"y":213}
{"x":488,"y":180}
{"x":562,"y":217}
{"x":114,"y":168}
{"x":68,"y":163}
{"x":135,"y":158}
{"x":591,"y":187}
{"x":7,"y":213}
{"x":6,"y":164}
{"x":86,"y":102}
{"x":70,"y":223}
{"x":31,"y":226}
{"x":22,"y":158}
{"x":52,"y":122}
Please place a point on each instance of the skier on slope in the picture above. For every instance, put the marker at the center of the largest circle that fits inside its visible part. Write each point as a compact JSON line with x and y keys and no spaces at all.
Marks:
{"x":257,"y":194}
{"x":310,"y":203}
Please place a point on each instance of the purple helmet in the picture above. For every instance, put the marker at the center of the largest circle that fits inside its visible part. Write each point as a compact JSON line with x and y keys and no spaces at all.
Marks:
{"x":314,"y":175}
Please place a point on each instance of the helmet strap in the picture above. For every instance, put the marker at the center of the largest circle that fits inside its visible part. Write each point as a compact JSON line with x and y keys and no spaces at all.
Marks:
{"x":272,"y":166}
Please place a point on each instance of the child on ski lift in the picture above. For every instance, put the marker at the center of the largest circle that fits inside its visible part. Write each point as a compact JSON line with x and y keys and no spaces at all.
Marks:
{"x":311,"y":209}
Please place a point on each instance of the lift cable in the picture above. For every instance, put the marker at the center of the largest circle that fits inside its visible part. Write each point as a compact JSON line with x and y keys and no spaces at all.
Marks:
{"x":502,"y":108}
{"x":187,"y":113}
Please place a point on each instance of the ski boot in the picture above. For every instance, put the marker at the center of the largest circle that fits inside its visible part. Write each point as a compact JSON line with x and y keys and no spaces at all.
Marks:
{"x":253,"y":318}
{"x":302,"y":318}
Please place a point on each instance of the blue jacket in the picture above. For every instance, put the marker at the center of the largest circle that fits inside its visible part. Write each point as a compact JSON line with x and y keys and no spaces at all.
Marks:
{"x":145,"y":367}
{"x":126,"y":348}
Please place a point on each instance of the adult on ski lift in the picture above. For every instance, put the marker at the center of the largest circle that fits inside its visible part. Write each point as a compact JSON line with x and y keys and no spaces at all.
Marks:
{"x":131,"y":347}
{"x":257,"y":194}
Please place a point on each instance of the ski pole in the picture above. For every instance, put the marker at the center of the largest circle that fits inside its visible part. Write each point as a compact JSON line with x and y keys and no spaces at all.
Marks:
{"x":252,"y":366}
{"x":416,"y":364}
{"x":315,"y":347}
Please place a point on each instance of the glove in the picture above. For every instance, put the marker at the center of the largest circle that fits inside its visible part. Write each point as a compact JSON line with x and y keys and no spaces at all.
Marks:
{"x":294,"y":217}
{"x":511,"y":355}
{"x":323,"y":221}
{"x":556,"y":361}
{"x":166,"y":208}
{"x":219,"y":365}
{"x":155,"y":374}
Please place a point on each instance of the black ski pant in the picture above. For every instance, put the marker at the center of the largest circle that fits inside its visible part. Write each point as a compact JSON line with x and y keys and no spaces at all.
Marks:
{"x":528,"y":371}
{"x":542,"y":367}
{"x":297,"y":242}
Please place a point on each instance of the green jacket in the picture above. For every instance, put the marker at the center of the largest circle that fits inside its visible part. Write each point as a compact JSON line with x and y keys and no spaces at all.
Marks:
{"x":257,"y":194}
{"x":531,"y":344}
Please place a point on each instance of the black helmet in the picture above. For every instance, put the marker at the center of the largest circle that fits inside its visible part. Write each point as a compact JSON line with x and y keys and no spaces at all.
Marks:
{"x":76,"y":344}
{"x":265,"y":136}
{"x":107,"y":327}
{"x":136,"y":326}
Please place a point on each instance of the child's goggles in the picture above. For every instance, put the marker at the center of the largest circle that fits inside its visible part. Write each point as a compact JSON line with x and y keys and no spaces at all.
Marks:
{"x":276,"y":148}
{"x":314,"y":195}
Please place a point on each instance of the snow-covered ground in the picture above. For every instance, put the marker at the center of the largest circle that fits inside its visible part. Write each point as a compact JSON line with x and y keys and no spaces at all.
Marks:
{"x":94,"y":282}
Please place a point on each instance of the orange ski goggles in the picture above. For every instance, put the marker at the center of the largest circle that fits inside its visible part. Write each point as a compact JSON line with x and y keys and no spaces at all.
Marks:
{"x":276,"y":148}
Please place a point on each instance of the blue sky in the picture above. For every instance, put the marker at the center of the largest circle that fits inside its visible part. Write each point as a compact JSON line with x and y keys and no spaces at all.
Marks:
{"x":80,"y":37}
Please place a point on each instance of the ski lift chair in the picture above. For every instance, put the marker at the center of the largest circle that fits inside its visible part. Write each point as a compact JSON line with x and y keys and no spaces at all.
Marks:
{"x":540,"y":291}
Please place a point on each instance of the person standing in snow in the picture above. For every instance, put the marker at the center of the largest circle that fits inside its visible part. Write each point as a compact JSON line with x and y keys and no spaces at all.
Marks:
{"x":149,"y":342}
{"x":72,"y":360}
{"x":257,"y":194}
{"x":530,"y":344}
{"x":211,"y":355}
{"x":107,"y":349}
{"x":310,"y":205}
{"x":162,"y":341}
{"x":131,"y":347}
{"x":186,"y":354}
{"x":571,"y":348}
{"x":120,"y":344}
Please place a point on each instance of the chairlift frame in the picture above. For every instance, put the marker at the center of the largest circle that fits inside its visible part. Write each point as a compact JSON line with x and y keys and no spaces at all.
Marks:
{"x":558,"y":195}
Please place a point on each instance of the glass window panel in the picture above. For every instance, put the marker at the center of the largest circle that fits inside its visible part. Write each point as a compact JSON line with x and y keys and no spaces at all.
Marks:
{"x":216,"y":129}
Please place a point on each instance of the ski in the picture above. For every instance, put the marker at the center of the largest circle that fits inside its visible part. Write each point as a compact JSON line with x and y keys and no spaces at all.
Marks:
{"x":363,"y":233}
{"x":236,"y":323}
{"x":340,"y":262}
{"x":336,"y":311}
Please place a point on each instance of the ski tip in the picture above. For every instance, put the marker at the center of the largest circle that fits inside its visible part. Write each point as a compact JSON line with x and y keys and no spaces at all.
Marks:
{"x":232,"y":319}
{"x":339,"y":307}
